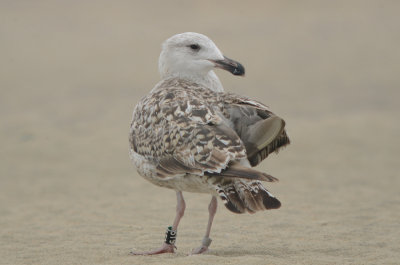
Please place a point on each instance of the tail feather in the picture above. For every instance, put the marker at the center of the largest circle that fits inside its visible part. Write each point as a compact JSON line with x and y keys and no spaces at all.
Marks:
{"x":236,"y":170}
{"x":231,"y":198}
{"x":247,"y":196}
{"x":240,"y":196}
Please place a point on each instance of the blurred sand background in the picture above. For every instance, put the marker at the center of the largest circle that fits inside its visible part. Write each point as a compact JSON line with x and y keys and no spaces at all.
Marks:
{"x":72,"y":71}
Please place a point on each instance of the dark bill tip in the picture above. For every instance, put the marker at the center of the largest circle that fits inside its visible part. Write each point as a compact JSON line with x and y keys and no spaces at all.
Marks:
{"x":230,"y":65}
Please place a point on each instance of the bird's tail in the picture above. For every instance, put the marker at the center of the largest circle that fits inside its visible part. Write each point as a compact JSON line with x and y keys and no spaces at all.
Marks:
{"x":240,"y":195}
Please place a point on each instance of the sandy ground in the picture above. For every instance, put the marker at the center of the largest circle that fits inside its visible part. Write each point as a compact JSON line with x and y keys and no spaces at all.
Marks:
{"x":72,"y":71}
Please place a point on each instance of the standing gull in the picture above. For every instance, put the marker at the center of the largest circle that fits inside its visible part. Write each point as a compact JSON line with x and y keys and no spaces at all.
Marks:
{"x":190,"y":135}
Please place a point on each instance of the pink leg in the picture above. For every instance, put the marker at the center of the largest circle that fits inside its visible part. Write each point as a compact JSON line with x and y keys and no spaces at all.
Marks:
{"x":169,"y":248}
{"x":212,"y":209}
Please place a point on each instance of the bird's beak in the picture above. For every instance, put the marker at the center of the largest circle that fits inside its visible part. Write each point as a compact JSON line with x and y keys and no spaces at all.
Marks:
{"x":230,"y":65}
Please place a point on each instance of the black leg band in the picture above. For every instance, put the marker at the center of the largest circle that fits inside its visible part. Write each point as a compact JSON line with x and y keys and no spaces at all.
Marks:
{"x":170,"y":236}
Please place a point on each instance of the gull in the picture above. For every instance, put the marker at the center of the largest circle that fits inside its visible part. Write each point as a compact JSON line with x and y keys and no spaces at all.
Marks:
{"x":188,"y":134}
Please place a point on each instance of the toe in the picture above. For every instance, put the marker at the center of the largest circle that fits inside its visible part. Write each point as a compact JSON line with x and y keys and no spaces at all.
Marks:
{"x":199,"y":250}
{"x":165,"y":248}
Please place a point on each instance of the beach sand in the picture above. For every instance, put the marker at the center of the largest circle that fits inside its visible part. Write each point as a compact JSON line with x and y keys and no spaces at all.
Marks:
{"x":71,"y":73}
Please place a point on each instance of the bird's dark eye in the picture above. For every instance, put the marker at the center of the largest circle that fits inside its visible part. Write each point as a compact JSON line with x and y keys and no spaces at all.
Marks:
{"x":194,"y":47}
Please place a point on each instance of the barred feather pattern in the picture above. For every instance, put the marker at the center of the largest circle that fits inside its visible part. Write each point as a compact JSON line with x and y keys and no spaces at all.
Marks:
{"x":183,"y":136}
{"x":240,"y":196}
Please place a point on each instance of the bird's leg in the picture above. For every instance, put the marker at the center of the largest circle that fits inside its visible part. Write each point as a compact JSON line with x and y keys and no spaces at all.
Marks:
{"x":169,"y":243}
{"x":212,"y":209}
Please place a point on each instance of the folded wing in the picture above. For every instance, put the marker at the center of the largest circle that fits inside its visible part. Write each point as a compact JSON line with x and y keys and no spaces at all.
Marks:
{"x":261,"y":131}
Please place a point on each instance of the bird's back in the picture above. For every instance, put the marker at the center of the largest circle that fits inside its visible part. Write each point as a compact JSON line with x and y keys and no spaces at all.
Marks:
{"x":187,"y":137}
{"x":182,"y":120}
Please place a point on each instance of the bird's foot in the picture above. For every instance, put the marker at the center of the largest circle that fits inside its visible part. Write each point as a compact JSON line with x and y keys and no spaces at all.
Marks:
{"x":204,"y":246}
{"x":199,"y":250}
{"x":165,"y":248}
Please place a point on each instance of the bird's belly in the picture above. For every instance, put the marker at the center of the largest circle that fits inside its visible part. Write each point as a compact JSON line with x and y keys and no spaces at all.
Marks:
{"x":187,"y":182}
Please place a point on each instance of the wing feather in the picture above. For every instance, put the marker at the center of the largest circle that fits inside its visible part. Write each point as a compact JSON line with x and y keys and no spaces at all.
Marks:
{"x":261,"y":131}
{"x":184,"y":128}
{"x":180,"y":130}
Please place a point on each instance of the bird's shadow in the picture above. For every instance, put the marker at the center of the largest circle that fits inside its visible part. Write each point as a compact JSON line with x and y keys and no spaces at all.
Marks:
{"x":234,"y":252}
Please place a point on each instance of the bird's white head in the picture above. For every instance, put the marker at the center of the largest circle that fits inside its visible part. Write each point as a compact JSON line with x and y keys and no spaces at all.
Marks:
{"x":193,"y":56}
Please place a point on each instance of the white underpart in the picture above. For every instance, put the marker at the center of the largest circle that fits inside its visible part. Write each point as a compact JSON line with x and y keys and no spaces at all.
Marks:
{"x":177,"y":59}
{"x":245,"y":162}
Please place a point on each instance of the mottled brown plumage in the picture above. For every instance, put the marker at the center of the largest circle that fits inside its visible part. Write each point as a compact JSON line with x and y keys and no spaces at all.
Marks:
{"x":188,"y":134}
{"x":184,"y":131}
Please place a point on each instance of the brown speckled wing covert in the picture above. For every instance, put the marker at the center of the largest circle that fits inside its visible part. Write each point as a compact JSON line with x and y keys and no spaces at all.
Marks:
{"x":184,"y":128}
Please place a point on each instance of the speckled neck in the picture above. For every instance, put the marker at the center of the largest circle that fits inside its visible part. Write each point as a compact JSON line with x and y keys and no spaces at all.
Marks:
{"x":210,"y":80}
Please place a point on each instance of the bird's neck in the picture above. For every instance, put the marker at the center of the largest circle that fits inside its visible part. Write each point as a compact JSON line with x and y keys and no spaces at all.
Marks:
{"x":209,"y":80}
